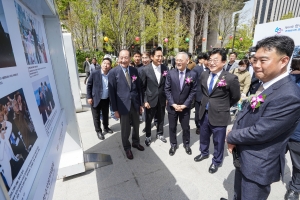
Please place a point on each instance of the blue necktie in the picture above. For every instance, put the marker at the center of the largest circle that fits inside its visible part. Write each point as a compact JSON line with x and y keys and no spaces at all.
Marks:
{"x":211,"y":84}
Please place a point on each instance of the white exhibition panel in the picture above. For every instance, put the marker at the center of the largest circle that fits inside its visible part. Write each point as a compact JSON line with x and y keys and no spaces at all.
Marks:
{"x":288,"y":27}
{"x":33,"y":125}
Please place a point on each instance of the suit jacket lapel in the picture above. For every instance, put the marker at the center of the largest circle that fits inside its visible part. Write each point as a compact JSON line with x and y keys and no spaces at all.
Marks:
{"x":223,"y":73}
{"x":205,"y":83}
{"x":152,"y":73}
{"x":162,"y":69}
{"x":176,"y":78}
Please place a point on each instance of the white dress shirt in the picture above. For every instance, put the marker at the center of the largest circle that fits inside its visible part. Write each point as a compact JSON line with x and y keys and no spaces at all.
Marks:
{"x":157,"y":71}
{"x":184,"y":71}
{"x":266,"y":85}
{"x":217,"y":76}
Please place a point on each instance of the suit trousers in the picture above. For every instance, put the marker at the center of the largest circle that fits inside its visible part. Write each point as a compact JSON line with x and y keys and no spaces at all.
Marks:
{"x":219,"y":133}
{"x":134,"y":117}
{"x":87,"y":76}
{"x":103,"y":106}
{"x":294,"y":148}
{"x":245,"y":189}
{"x":197,"y":107}
{"x":159,"y":111}
{"x":184,"y":119}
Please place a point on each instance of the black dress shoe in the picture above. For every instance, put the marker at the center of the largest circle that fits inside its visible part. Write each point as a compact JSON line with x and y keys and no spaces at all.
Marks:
{"x":138,"y":146}
{"x":148,"y":141}
{"x":144,"y":130}
{"x":198,"y":131}
{"x":213,"y":168}
{"x":100,"y":135}
{"x":291,"y":195}
{"x":172,"y":150}
{"x":223,"y":198}
{"x":199,"y":158}
{"x":188,"y":150}
{"x":129,"y":154}
{"x":161,"y":137}
{"x":108,"y":130}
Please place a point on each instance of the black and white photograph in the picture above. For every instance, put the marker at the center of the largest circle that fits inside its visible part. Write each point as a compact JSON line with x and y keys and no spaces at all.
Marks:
{"x":32,"y":36}
{"x":7,"y":58}
{"x":44,"y":97}
{"x":17,"y":135}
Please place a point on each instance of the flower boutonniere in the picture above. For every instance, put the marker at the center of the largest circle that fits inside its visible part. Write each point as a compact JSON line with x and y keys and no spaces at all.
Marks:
{"x":165,"y":73}
{"x":133,"y":78}
{"x":188,"y":80}
{"x":255,"y":101}
{"x":222,"y":82}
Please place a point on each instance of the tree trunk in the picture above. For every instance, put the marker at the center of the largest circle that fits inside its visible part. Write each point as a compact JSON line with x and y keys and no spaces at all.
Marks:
{"x":205,"y":27}
{"x":192,"y":29}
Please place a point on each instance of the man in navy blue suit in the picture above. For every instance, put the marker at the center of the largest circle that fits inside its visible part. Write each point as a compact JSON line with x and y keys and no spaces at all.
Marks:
{"x":180,"y":89}
{"x":220,"y":91}
{"x":201,"y":67}
{"x":261,"y":131}
{"x":97,"y":96}
{"x":126,"y":100}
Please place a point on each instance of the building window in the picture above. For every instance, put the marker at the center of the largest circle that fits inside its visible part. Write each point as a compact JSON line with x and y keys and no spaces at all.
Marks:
{"x":263,"y":12}
{"x":270,"y":10}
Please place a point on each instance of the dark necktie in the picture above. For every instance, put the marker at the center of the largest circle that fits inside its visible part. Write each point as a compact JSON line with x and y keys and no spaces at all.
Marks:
{"x":127,"y":77}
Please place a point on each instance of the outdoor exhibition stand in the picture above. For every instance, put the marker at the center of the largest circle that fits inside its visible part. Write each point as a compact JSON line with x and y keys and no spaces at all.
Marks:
{"x":39,"y":96}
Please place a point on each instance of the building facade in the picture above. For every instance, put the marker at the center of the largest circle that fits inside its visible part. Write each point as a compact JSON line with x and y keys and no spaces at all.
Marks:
{"x":272,"y":10}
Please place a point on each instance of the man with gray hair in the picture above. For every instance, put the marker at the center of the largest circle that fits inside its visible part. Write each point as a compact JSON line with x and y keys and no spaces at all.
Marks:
{"x":180,"y":89}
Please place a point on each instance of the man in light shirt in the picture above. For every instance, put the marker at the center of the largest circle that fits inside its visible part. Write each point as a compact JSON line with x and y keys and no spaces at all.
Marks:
{"x":153,"y":77}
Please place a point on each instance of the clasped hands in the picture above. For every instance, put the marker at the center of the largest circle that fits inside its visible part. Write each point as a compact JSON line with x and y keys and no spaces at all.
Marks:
{"x":179,"y":108}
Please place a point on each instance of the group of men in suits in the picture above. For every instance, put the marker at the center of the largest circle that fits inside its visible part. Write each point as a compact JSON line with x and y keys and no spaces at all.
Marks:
{"x":260,"y":132}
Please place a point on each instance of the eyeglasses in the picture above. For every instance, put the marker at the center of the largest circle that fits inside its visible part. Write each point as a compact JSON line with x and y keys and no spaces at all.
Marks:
{"x":179,"y":61}
{"x":214,"y":61}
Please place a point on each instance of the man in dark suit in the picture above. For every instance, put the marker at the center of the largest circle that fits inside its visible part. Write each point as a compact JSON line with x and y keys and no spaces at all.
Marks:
{"x":180,"y":89}
{"x":153,"y":77}
{"x":98,"y":98}
{"x":201,"y":67}
{"x":221,"y":90}
{"x":260,"y":133}
{"x":126,"y":100}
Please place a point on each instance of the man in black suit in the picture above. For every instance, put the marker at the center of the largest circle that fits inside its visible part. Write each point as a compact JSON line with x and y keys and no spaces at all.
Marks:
{"x":201,"y":67}
{"x":261,"y":132}
{"x":137,"y":59}
{"x":221,"y":90}
{"x":126,"y":100}
{"x":98,"y":98}
{"x":153,"y":78}
{"x":180,"y":89}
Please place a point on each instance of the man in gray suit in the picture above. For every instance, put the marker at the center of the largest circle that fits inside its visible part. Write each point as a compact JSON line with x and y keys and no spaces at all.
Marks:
{"x":231,"y":65}
{"x":262,"y":129}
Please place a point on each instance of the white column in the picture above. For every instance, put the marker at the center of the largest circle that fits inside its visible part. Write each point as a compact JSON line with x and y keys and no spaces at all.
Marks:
{"x":142,"y":23}
{"x":177,"y":20}
{"x":205,"y":27}
{"x":192,"y":28}
{"x":160,"y":21}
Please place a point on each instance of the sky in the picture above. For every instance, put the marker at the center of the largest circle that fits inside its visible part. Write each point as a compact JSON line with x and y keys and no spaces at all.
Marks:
{"x":248,"y":11}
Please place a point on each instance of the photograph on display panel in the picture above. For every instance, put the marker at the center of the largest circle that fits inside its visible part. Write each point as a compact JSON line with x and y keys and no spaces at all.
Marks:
{"x":296,"y":53}
{"x":7,"y":58}
{"x":32,"y":36}
{"x":17,"y":135}
{"x":44,"y":97}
